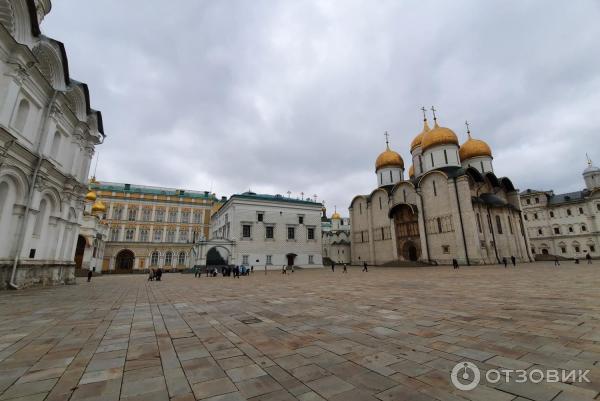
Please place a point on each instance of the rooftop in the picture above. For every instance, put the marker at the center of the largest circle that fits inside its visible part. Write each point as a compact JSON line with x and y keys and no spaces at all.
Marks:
{"x":276,"y":198}
{"x":149,"y":190}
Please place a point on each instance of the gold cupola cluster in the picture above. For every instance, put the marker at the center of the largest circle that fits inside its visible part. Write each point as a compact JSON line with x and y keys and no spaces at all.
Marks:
{"x":388,"y":158}
{"x":97,"y":207}
{"x":473,"y":148}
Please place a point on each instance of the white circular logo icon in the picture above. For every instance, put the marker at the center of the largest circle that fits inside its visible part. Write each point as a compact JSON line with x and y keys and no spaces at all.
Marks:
{"x":465,"y":376}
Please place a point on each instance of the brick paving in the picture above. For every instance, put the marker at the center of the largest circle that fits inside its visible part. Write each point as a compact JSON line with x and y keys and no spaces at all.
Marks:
{"x":389,"y":334}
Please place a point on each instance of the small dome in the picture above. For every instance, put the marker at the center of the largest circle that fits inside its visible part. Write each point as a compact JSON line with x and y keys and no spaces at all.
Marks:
{"x":91,"y":196}
{"x":98,"y":207}
{"x":419,"y":138}
{"x":438,"y":136}
{"x":389,"y":158}
{"x":411,"y":171}
{"x":336,"y":215}
{"x":474,"y":148}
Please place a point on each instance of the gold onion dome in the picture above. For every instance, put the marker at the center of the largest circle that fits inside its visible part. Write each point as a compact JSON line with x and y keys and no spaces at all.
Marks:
{"x":336,"y":215}
{"x":98,"y":207}
{"x":411,"y":171}
{"x":419,"y":138}
{"x":91,"y":196}
{"x":474,"y":148}
{"x":388,"y":158}
{"x":438,"y":136}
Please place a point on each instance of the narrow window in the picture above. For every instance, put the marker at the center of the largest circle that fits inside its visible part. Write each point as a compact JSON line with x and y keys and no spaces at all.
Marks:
{"x":391,"y":177}
{"x":583,"y":228}
{"x":551,"y":214}
{"x":300,"y":219}
{"x":291,"y":233}
{"x":404,"y":195}
{"x":22,"y":114}
{"x":568,"y":212}
{"x":434,"y":189}
{"x":432,"y":164}
{"x":168,"y":258}
{"x":498,"y":225}
{"x":154,"y":259}
{"x":269,"y":232}
{"x":439,"y":224}
{"x":580,"y":210}
{"x":381,"y":178}
{"x":55,"y":145}
{"x":478,"y":222}
{"x":380,"y":205}
{"x":481,"y":164}
{"x":181,"y":259}
{"x":490,"y":223}
{"x":311,"y":233}
{"x":260,"y":216}
{"x":445,"y":156}
{"x":421,"y":171}
{"x":246,"y":231}
{"x":360,"y":208}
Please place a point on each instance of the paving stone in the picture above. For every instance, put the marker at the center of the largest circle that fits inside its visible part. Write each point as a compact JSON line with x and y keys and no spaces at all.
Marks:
{"x":329,"y":386}
{"x":212,"y":388}
{"x":245,"y":373}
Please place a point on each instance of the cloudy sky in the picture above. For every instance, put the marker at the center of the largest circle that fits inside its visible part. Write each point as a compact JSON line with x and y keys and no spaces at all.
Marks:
{"x":295,"y":95}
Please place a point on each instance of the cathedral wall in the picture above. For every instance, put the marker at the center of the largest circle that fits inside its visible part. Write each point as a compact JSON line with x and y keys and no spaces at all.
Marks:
{"x":360,"y":238}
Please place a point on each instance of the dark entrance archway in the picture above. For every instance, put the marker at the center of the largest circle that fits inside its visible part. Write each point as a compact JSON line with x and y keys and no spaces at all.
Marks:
{"x":291,"y":257}
{"x":406,"y":227}
{"x":125,"y":260}
{"x":214,"y":258}
{"x":79,"y":251}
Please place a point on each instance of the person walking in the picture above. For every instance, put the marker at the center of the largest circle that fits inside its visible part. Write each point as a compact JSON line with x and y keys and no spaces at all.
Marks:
{"x":589,"y":259}
{"x":513,"y":260}
{"x":455,"y":264}
{"x":365,"y":267}
{"x":265,"y":269}
{"x":90,"y":275}
{"x":345,"y":268}
{"x":292,"y":268}
{"x":333,"y":266}
{"x":505,"y":262}
{"x":252,"y":269}
{"x":151,"y":275}
{"x":283,"y":270}
{"x":556,"y":262}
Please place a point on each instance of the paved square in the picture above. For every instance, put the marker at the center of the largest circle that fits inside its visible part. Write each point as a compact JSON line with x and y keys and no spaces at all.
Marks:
{"x":389,"y":334}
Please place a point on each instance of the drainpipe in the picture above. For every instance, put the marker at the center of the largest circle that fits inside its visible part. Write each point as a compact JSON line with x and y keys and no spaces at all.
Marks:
{"x":491,"y":223}
{"x":462,"y":228}
{"x":31,"y":192}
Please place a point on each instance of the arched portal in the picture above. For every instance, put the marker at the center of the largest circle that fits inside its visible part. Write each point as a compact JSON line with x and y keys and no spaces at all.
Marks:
{"x":406,"y":227}
{"x":125,"y":259}
{"x":79,"y":251}
{"x":217,"y":256}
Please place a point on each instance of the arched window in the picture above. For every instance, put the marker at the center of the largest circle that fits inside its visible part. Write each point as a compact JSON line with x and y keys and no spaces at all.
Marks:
{"x":22,"y":115}
{"x":583,"y":228}
{"x":55,"y":145}
{"x":168,"y":258}
{"x":154,"y":259}
{"x":3,"y":197}
{"x":181,"y":259}
{"x":498,"y":224}
{"x":40,"y":218}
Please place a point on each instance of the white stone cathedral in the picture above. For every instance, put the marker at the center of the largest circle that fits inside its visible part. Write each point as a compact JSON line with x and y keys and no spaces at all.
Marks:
{"x":48,"y":132}
{"x":451,"y":206}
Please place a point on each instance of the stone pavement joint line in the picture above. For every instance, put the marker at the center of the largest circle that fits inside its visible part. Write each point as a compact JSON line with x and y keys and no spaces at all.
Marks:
{"x":389,"y":334}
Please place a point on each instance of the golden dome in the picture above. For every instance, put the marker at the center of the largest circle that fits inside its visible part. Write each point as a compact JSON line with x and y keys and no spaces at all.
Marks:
{"x":411,"y":171}
{"x":91,"y":196}
{"x":419,"y":138}
{"x":438,"y":136}
{"x":98,"y":207}
{"x":336,"y":215}
{"x":389,"y":158}
{"x":474,"y":148}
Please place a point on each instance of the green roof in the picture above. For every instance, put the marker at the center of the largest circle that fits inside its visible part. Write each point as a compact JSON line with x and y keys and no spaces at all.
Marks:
{"x":147,"y":190}
{"x":276,"y":198}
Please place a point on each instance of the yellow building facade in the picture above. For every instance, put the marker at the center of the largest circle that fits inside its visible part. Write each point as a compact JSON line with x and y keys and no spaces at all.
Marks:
{"x":151,"y":227}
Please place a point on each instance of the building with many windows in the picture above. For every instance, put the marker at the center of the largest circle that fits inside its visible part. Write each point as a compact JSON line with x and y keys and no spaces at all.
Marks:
{"x":266,"y":230}
{"x":566,"y":225}
{"x":48,"y":132}
{"x":151,"y":227}
{"x":452,"y":206}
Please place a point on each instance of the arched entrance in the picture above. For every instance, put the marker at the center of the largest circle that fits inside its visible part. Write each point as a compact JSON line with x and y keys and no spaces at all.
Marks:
{"x":217,"y":256}
{"x":406,"y":227}
{"x":291,"y":257}
{"x":124,"y":260}
{"x":409,"y":251}
{"x":79,"y":251}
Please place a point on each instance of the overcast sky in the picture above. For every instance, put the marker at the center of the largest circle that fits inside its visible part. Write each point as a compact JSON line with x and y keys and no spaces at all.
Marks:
{"x":296,"y":95}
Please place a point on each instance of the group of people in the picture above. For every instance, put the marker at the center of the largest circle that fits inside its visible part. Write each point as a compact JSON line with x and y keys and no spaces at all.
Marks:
{"x":588,"y":257}
{"x":155,"y":274}
{"x":345,"y":267}
{"x":226,"y":271}
{"x":513,"y":260}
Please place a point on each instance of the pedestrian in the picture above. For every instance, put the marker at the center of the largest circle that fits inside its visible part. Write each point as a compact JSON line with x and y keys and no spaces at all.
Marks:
{"x":265,"y":269}
{"x":589,"y":258}
{"x":333,"y":266}
{"x":292,"y":268}
{"x":556,"y":262}
{"x":158,"y":274}
{"x":89,"y":275}
{"x":151,"y":275}
{"x":252,"y":269}
{"x":345,"y":268}
{"x":283,"y":270}
{"x":365,"y":267}
{"x":505,"y":262}
{"x":455,"y":264}
{"x":513,"y":260}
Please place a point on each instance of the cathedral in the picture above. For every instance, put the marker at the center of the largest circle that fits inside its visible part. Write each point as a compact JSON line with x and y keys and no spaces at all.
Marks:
{"x":451,"y":206}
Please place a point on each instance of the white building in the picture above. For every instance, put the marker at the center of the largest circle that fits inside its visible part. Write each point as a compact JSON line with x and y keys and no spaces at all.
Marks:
{"x":48,"y":132}
{"x":271,"y":230}
{"x":335,"y":233}
{"x":566,"y":225}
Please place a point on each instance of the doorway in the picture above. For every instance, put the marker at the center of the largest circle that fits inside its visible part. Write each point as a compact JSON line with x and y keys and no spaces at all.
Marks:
{"x":291,"y":257}
{"x":125,"y":260}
